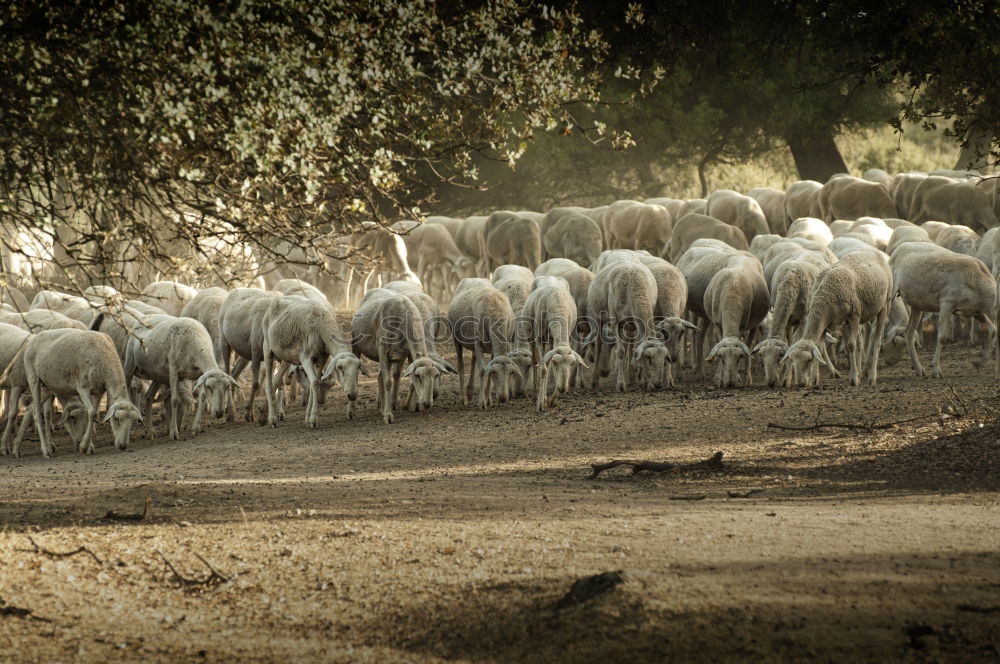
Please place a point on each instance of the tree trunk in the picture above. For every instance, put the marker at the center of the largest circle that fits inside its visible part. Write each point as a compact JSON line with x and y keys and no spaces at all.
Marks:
{"x":816,"y":155}
{"x":976,"y":151}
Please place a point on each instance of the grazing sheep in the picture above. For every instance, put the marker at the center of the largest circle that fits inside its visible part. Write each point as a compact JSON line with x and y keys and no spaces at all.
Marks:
{"x":515,"y":282}
{"x":944,"y":283}
{"x":877,"y":231}
{"x":960,"y":239}
{"x":469,"y":239}
{"x":671,"y":205}
{"x":901,"y":189}
{"x":304,"y":332}
{"x":738,"y":210}
{"x":956,"y":202}
{"x":300,"y":288}
{"x":436,"y":258}
{"x":170,"y":296}
{"x":853,"y":291}
{"x":736,"y":301}
{"x":71,"y":362}
{"x":770,"y":351}
{"x":692,"y":227}
{"x":621,"y":297}
{"x":802,"y":200}
{"x":482,"y":321}
{"x":877,"y":175}
{"x":691,"y":206}
{"x":761,"y":243}
{"x":634,"y":225}
{"x":811,"y":228}
{"x":36,"y":320}
{"x":579,"y":280}
{"x":388,"y":327}
{"x":550,"y":316}
{"x":668,"y":310}
{"x":772,"y":202}
{"x":850,"y":242}
{"x":166,"y":350}
{"x":905,"y":234}
{"x":574,"y":236}
{"x":241,"y":323}
{"x":434,"y":330}
{"x":850,"y":197}
{"x":511,"y":239}
{"x":205,"y":308}
{"x":12,"y":340}
{"x":933,"y":228}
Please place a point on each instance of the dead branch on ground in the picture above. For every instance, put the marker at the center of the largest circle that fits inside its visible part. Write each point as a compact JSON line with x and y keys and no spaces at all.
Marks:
{"x":214,"y":578}
{"x":871,"y":426}
{"x":19,"y":612}
{"x":58,"y":554}
{"x":713,"y":463}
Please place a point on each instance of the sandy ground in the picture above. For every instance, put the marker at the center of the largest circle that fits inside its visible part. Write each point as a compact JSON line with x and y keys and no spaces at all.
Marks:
{"x":454,"y":534}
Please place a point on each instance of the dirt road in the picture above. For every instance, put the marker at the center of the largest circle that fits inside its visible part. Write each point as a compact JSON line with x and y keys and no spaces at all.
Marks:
{"x":454,"y":534}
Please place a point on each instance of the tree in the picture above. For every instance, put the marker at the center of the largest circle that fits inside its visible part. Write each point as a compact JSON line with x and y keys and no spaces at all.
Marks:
{"x":164,"y":129}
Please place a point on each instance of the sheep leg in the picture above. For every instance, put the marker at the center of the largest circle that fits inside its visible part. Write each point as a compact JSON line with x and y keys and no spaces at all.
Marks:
{"x":147,"y":409}
{"x":87,"y":441}
{"x":988,"y":339}
{"x":385,"y":385}
{"x":268,"y":363}
{"x":535,"y":358}
{"x":751,"y":340}
{"x":479,"y":354}
{"x":254,"y":386}
{"x":620,"y":351}
{"x":461,"y":371}
{"x":35,"y":385}
{"x":876,"y":344}
{"x":397,"y":369}
{"x":312,"y":410}
{"x":945,"y":314}
{"x":911,"y":345}
{"x":279,"y":382}
{"x":174,"y":430}
{"x":13,"y":404}
{"x":198,"y":413}
{"x":595,"y":375}
{"x":543,"y":389}
{"x":27,"y":420}
{"x":853,"y":350}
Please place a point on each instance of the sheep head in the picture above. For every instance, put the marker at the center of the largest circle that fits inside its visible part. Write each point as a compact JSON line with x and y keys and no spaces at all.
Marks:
{"x":498,"y":375}
{"x":560,"y":362}
{"x":214,"y":386}
{"x":804,"y":359}
{"x":770,"y":351}
{"x":671,"y":330}
{"x":74,"y":418}
{"x":522,"y":358}
{"x":423,"y":372}
{"x":650,"y":359}
{"x":893,"y":348}
{"x":122,"y":414}
{"x":343,"y":368}
{"x":728,"y":353}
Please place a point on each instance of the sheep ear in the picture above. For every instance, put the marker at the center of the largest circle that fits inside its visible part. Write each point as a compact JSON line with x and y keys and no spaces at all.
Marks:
{"x":661,"y":326}
{"x":445,"y":367}
{"x":408,"y":371}
{"x":111,"y":413}
{"x":756,"y":348}
{"x":517,"y":370}
{"x":829,"y":338}
{"x":232,"y":381}
{"x":198,"y":384}
{"x":785,"y":356}
{"x":548,"y":357}
{"x":690,"y":326}
{"x":745,"y":349}
{"x":330,"y":373}
{"x":713,"y":352}
{"x":363,"y":369}
{"x":818,"y":356}
{"x":579,"y":360}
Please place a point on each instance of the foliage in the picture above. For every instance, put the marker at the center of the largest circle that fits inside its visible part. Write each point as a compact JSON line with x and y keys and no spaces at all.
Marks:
{"x":157,"y":129}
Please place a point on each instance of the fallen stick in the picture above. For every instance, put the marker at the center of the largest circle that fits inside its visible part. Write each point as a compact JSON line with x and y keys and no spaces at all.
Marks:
{"x":214,"y":577}
{"x":872,"y":426}
{"x":18,"y":612}
{"x":700,"y":496}
{"x":147,"y":511}
{"x":713,"y":463}
{"x":59,"y":554}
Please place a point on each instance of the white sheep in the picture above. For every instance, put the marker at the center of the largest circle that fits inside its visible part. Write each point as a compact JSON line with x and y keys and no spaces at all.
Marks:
{"x":905,"y":234}
{"x":388,"y":327}
{"x":572,"y":235}
{"x":694,"y":226}
{"x":304,"y":331}
{"x":849,"y":197}
{"x":960,"y":239}
{"x":509,"y":238}
{"x":736,"y":301}
{"x":36,"y":320}
{"x":635,"y":225}
{"x":170,"y":296}
{"x":71,"y":362}
{"x":802,"y":200}
{"x":851,"y":292}
{"x":621,"y":298}
{"x":772,"y":202}
{"x":205,"y":308}
{"x":515,"y":282}
{"x":167,"y":350}
{"x":242,"y":331}
{"x":944,"y":283}
{"x":738,"y":210}
{"x":550,"y":312}
{"x":811,"y":228}
{"x":482,"y":321}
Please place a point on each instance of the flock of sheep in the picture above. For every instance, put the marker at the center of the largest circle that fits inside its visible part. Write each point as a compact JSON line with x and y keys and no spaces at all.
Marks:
{"x":783,"y":278}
